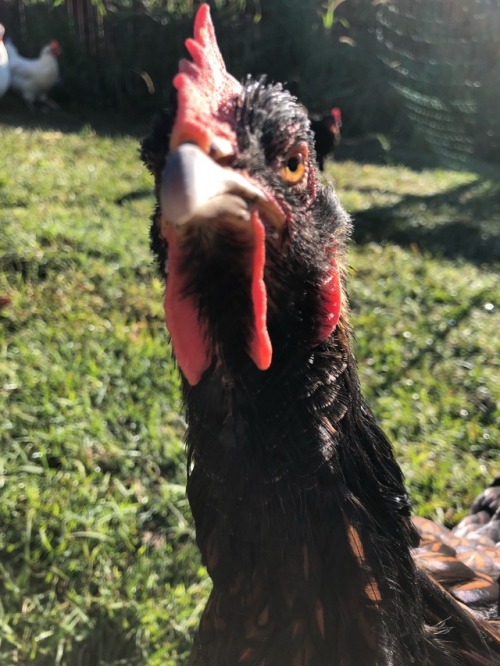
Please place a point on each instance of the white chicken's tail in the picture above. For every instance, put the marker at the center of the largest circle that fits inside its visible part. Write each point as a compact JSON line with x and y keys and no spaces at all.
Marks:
{"x":11,"y":49}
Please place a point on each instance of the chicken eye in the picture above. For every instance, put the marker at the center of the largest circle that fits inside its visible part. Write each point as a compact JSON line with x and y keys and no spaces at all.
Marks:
{"x":294,"y":165}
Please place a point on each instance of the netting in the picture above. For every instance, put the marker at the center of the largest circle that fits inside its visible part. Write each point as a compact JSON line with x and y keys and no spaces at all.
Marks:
{"x":444,"y":61}
{"x":442,"y":58}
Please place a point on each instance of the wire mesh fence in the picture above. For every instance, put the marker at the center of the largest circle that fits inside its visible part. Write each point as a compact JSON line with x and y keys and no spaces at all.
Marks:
{"x":444,"y":61}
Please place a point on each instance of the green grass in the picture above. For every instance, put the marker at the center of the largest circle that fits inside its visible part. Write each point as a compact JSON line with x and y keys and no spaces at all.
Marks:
{"x":97,"y":557}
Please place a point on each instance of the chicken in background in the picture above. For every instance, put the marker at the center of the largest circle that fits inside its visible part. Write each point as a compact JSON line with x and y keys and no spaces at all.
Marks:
{"x":326,"y":134}
{"x":34,"y":78}
{"x":4,"y":65}
{"x":325,"y":127}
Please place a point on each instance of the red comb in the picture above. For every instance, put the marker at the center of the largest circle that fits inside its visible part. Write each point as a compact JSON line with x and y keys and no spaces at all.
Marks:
{"x":55,"y":47}
{"x":205,"y":89}
{"x":337,"y":115}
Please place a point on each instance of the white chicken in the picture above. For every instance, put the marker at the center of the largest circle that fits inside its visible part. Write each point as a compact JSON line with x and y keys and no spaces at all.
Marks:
{"x":4,"y":65}
{"x":33,"y":78}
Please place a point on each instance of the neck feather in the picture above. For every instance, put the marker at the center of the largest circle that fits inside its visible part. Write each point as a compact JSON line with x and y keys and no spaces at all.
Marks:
{"x":301,"y":513}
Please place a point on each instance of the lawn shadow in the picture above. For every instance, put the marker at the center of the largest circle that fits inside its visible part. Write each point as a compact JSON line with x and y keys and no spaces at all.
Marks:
{"x":104,"y":122}
{"x":409,"y":152}
{"x":463,"y":222}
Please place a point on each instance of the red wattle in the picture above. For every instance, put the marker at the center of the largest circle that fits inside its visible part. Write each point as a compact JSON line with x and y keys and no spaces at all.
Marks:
{"x":259,"y":347}
{"x":331,"y":299}
{"x":187,"y":332}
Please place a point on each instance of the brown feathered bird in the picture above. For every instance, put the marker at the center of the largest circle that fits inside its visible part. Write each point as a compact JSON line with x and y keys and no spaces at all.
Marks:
{"x":301,"y":513}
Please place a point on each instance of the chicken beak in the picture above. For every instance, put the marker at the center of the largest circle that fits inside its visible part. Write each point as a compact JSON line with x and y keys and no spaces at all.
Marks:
{"x":196,"y":190}
{"x":197,"y":193}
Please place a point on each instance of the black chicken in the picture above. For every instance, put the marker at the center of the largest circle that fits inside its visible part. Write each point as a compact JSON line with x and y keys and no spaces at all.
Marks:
{"x":301,"y":513}
{"x":326,"y":130}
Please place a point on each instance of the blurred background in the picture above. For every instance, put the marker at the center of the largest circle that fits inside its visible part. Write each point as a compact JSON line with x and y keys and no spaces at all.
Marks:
{"x":413,"y":70}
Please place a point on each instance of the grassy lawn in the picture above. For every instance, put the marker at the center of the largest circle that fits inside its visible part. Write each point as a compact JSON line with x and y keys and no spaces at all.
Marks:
{"x":97,"y":556}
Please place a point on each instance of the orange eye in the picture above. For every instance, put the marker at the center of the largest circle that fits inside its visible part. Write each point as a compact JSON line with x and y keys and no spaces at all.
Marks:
{"x":294,"y":166}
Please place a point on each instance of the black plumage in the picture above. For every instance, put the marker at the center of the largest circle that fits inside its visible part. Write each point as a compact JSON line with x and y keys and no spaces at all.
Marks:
{"x":326,"y":130}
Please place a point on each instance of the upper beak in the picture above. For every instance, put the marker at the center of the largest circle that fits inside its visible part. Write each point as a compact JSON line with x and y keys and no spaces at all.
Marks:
{"x":195,"y":189}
